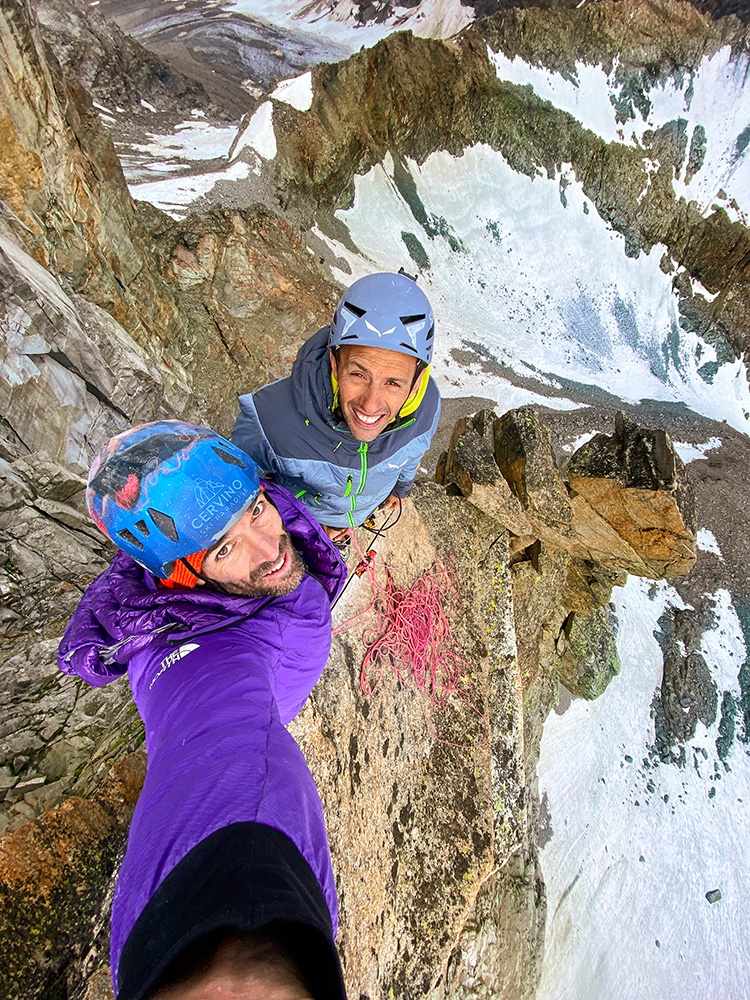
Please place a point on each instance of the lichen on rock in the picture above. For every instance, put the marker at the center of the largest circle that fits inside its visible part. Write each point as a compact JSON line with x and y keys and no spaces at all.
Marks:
{"x":588,"y":657}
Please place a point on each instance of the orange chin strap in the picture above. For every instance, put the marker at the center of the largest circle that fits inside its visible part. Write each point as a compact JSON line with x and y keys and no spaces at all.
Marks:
{"x":181,"y":576}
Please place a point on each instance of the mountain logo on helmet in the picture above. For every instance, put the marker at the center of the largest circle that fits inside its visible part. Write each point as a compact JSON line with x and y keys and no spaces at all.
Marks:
{"x":206,"y":490}
{"x":216,"y":506}
{"x":168,"y":489}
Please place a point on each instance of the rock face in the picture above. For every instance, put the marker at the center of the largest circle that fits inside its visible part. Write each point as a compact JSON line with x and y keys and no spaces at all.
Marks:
{"x":70,"y":377}
{"x":626,"y":507}
{"x":424,"y":803}
{"x":53,"y":874}
{"x":65,"y":203}
{"x":627,"y":504}
{"x":115,"y":69}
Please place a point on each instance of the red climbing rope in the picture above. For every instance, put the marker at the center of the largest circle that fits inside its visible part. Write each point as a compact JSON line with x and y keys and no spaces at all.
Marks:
{"x":412,"y":635}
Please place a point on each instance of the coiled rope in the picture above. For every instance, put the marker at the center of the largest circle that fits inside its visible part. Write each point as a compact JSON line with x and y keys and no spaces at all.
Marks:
{"x":407,"y":630}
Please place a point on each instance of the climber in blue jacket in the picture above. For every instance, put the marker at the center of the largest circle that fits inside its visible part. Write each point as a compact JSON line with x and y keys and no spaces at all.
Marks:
{"x":346,"y":430}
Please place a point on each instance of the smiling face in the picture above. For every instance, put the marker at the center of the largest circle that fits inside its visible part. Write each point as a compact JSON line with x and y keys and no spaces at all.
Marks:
{"x":373,"y":386}
{"x":255,"y":558}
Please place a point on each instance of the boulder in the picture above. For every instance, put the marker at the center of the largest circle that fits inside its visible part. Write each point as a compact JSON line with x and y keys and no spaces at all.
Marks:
{"x":688,"y":693}
{"x":588,"y":657}
{"x":633,"y":507}
{"x":470,"y":465}
{"x":523,"y":452}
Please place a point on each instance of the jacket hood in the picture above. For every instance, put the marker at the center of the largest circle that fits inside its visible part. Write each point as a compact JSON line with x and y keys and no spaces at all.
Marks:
{"x":311,"y":382}
{"x":124,"y":610}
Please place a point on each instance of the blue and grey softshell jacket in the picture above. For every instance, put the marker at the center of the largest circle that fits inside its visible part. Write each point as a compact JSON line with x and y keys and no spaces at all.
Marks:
{"x":289,"y":428}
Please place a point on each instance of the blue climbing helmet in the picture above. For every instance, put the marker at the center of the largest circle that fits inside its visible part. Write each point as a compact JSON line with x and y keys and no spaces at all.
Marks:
{"x":165,"y":490}
{"x":385,"y":310}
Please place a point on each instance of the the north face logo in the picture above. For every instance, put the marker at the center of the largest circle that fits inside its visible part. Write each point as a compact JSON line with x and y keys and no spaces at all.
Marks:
{"x":173,"y":657}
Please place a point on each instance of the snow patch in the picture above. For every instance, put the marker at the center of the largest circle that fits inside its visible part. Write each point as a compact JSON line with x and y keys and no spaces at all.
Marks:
{"x":587,"y":99}
{"x":714,"y":100}
{"x":175,"y":194}
{"x":572,"y":447}
{"x":706,"y":542}
{"x":258,"y":134}
{"x":692,"y":452}
{"x":297,"y":92}
{"x":522,"y":274}
{"x":338,"y":21}
{"x":191,"y":141}
{"x":658,"y":837}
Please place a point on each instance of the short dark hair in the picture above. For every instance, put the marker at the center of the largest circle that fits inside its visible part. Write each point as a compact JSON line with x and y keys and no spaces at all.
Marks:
{"x":286,"y":940}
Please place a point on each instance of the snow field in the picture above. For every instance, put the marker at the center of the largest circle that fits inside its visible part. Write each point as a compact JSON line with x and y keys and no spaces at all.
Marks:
{"x":715,"y":98}
{"x":626,"y":869}
{"x":337,"y":21}
{"x":298,"y":92}
{"x":542,"y":287}
{"x":695,"y":452}
{"x":175,"y":194}
{"x":258,"y":134}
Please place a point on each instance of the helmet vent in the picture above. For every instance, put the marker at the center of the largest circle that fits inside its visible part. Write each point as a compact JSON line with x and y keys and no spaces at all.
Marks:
{"x":409,"y":347}
{"x":355,"y":309}
{"x":143,"y":528}
{"x":128,"y":536}
{"x":227,"y":457}
{"x":165,"y":524}
{"x":431,"y":333}
{"x":406,"y":320}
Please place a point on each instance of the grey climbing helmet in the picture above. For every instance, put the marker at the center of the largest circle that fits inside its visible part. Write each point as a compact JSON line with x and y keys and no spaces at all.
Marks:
{"x":385,"y":310}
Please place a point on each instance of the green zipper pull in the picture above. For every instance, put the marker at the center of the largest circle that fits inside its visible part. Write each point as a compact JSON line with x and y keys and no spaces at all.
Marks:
{"x":362,"y":466}
{"x":348,"y":489}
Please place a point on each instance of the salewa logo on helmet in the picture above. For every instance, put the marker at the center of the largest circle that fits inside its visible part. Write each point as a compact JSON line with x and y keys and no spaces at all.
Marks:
{"x":166,"y":663}
{"x":217,"y":500}
{"x":380,"y":333}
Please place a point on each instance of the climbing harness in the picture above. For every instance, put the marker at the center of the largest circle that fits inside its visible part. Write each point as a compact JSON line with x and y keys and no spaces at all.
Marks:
{"x":366,"y":560}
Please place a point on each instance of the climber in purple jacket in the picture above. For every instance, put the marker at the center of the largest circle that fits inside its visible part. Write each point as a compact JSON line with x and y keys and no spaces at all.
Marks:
{"x":218,"y":608}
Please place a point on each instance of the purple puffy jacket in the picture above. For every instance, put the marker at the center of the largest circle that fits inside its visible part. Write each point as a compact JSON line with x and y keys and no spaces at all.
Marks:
{"x":215,"y":678}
